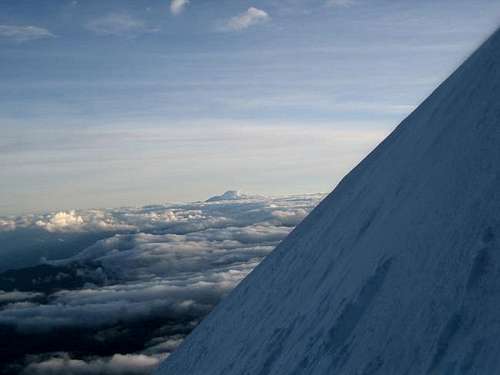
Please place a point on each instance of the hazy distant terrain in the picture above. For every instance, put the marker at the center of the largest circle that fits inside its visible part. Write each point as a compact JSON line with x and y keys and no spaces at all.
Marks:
{"x":115,"y":290}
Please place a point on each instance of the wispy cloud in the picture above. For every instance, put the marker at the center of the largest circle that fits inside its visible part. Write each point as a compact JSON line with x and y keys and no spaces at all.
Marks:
{"x":24,"y":33}
{"x":252,"y":16}
{"x":15,"y":296}
{"x":119,"y":24}
{"x":177,"y":6}
{"x":340,"y":3}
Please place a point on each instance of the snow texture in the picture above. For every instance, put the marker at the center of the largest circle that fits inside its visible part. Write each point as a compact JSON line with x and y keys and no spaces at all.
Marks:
{"x":395,"y":272}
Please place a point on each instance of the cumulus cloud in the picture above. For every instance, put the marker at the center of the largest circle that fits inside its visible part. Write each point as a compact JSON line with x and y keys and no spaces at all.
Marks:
{"x":24,"y":33}
{"x":252,"y":16}
{"x":153,"y":275}
{"x":177,"y":6}
{"x":61,"y":221}
{"x":92,"y":220}
{"x":119,"y":24}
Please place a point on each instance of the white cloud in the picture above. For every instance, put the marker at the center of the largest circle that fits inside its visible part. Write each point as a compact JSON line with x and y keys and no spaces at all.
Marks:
{"x":61,"y":221}
{"x":63,"y":364}
{"x":291,"y":217}
{"x":92,"y":220}
{"x":340,"y":3}
{"x":24,"y":33}
{"x":119,"y":24}
{"x":161,"y":345}
{"x":7,"y":225}
{"x":177,"y":6}
{"x":252,"y":16}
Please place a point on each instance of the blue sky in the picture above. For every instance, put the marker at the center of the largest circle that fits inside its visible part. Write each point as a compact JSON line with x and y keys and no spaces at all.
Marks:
{"x":112,"y":103}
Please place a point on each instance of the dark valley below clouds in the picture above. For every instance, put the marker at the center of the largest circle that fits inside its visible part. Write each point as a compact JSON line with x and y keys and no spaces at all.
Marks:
{"x":114,"y":291}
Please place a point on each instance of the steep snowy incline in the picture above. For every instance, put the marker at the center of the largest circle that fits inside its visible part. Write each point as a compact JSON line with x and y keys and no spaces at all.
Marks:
{"x":395,"y":272}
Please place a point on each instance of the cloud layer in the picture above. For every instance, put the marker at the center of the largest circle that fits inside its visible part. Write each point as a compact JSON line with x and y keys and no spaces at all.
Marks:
{"x":156,"y":273}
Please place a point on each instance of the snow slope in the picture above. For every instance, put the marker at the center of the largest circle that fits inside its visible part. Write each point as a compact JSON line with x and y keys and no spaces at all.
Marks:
{"x":396,"y":272}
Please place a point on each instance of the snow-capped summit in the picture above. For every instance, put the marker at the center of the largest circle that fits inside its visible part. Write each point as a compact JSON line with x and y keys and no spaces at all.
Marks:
{"x":395,"y":272}
{"x":230,"y":195}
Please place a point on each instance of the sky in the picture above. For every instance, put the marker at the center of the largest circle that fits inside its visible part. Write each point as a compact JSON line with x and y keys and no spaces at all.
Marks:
{"x":123,"y":103}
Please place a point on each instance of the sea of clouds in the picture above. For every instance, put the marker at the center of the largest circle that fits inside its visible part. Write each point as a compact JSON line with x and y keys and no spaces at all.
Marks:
{"x":113,"y":291}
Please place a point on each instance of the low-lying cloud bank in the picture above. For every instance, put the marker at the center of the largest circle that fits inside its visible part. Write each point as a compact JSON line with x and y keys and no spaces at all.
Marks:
{"x":118,"y":364}
{"x":133,"y":294}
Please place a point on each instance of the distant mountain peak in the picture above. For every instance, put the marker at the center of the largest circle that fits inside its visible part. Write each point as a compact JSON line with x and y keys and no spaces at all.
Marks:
{"x":230,"y":195}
